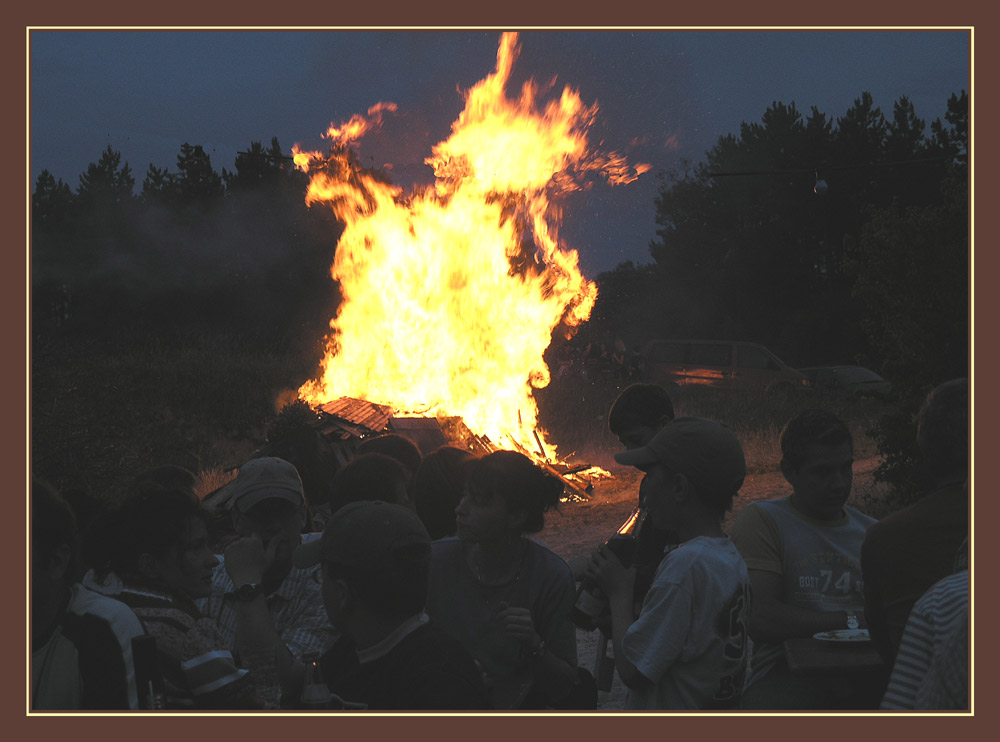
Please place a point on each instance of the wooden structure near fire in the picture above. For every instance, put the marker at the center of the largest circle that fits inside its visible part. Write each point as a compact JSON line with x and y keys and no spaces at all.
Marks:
{"x":340,"y":426}
{"x":345,"y":422}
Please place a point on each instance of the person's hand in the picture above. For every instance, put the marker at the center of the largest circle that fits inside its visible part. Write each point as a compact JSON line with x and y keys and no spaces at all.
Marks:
{"x":517,"y":624}
{"x":577,"y":565}
{"x":246,"y":559}
{"x":607,"y":572}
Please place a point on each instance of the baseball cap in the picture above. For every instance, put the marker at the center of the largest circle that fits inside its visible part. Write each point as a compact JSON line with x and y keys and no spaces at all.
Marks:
{"x":265,"y":478}
{"x":365,"y":535}
{"x":705,"y":451}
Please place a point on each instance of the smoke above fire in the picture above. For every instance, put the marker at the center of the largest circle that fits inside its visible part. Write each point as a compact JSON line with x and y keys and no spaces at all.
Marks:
{"x":451,"y":293}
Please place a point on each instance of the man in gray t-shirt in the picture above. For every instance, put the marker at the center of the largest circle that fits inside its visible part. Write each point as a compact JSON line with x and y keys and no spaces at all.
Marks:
{"x":803,"y":553}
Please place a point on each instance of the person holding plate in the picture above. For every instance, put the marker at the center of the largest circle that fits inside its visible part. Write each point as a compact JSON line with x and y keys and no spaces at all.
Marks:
{"x":803,"y":553}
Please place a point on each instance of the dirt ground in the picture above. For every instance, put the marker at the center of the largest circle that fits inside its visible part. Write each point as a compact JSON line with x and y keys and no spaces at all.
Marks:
{"x":575,"y":528}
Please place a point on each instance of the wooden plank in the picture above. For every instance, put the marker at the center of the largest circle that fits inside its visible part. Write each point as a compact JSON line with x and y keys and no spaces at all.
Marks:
{"x":360,"y":413}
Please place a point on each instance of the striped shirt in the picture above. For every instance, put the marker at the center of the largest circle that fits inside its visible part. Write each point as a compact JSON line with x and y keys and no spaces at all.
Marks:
{"x":296,"y":610}
{"x":932,"y":665}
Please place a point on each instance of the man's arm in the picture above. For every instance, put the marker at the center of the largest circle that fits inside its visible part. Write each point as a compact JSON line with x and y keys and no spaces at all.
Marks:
{"x":245,"y":561}
{"x":773,"y":620}
{"x":618,"y":584}
{"x":307,"y":628}
{"x":622,"y":618}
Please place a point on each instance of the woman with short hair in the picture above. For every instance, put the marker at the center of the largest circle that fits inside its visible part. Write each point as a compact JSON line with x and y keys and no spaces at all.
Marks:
{"x":506,"y":597}
{"x":163,"y":558}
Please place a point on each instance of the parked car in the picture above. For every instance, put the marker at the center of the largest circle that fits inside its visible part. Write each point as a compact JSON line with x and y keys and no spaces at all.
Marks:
{"x":853,"y":381}
{"x":719,"y":364}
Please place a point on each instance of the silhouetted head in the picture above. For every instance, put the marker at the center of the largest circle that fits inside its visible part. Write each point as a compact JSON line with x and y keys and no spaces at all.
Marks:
{"x":943,"y":432}
{"x":376,"y":559}
{"x":817,"y":458}
{"x":370,"y":476}
{"x":437,"y":488}
{"x":398,"y":447}
{"x":639,"y":412}
{"x":505,"y":494}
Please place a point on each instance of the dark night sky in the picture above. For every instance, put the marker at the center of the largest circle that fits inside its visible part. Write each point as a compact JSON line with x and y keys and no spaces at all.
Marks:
{"x":663,"y":96}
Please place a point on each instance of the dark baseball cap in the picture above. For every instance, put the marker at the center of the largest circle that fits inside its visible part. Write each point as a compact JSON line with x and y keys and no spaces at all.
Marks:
{"x":705,"y":451}
{"x":366,"y":535}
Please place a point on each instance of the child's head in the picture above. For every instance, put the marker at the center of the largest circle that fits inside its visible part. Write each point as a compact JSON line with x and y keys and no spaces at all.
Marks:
{"x":639,"y":413}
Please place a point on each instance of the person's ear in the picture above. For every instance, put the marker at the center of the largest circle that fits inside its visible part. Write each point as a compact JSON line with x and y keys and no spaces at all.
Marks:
{"x":57,"y":566}
{"x":683,"y":488}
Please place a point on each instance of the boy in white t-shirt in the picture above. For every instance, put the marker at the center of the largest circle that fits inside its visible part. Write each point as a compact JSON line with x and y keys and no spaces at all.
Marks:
{"x":689,"y":646}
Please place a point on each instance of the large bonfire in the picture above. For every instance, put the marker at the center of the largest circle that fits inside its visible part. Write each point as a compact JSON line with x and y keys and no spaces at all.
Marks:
{"x":451,"y":294}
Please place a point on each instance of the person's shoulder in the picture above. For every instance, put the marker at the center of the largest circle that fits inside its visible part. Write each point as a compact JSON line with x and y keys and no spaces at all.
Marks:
{"x":857,"y":516}
{"x":541,"y":551}
{"x":948,"y":503}
{"x":948,"y":591}
{"x":445,"y":545}
{"x":153,"y":607}
{"x":109,"y":584}
{"x":546,"y":559}
{"x":763,"y":508}
{"x":757,"y":516}
{"x":703,"y":551}
{"x":84,"y":601}
{"x":720,"y":547}
{"x":445,"y":549}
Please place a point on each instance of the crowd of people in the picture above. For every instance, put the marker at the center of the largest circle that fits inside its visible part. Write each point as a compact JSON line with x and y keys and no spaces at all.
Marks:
{"x":418,"y":583}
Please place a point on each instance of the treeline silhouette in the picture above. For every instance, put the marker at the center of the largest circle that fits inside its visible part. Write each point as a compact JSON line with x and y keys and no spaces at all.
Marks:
{"x":829,"y":240}
{"x":192,"y":251}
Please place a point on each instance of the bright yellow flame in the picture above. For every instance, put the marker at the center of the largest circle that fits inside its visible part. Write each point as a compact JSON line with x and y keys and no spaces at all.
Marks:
{"x":450,"y":296}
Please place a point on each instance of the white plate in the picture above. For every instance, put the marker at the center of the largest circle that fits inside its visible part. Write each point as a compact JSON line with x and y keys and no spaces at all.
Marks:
{"x":843,"y":635}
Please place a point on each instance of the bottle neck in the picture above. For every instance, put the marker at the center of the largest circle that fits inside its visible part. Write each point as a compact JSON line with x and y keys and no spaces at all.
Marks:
{"x":633,"y":523}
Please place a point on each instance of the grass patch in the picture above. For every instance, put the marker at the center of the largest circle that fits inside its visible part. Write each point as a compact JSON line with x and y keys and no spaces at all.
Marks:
{"x":102,"y":415}
{"x":210,"y":479}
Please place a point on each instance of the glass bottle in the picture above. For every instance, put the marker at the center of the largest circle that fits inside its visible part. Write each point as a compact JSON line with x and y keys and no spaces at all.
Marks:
{"x":591,"y":602}
{"x":315,"y":693}
{"x":148,"y":677}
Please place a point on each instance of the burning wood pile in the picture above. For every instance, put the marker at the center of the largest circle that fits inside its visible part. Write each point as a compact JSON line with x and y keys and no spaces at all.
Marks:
{"x":346,"y":422}
{"x":451,"y":294}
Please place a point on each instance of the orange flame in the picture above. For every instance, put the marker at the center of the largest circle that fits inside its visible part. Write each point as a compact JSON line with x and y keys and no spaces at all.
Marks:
{"x":358,"y":125}
{"x":450,"y":296}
